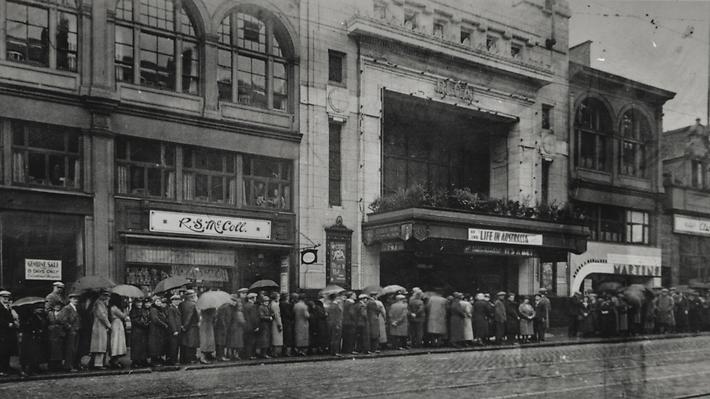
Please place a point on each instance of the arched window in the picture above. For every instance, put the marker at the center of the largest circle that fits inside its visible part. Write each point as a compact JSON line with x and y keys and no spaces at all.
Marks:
{"x":252,"y":53}
{"x":149,"y":34}
{"x":593,"y":128}
{"x":634,"y":131}
{"x":42,"y":33}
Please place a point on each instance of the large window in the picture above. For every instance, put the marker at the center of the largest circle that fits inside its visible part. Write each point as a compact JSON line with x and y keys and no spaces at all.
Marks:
{"x":209,"y":175}
{"x":593,"y":128}
{"x":267,"y":182}
{"x":42,"y":33}
{"x":334,"y":164}
{"x":145,"y":168}
{"x":251,"y":53}
{"x":166,"y":54}
{"x":614,"y":224}
{"x":634,"y":131}
{"x":45,"y":155}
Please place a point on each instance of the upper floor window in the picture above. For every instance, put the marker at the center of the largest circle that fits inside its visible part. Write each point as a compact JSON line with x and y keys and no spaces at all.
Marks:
{"x":698,"y":174}
{"x":209,"y":175}
{"x":465,"y":37}
{"x":145,"y":168}
{"x":411,"y":19}
{"x":336,"y":67}
{"x":253,"y":53}
{"x":46,"y":155}
{"x":439,"y":29}
{"x":592,"y":126}
{"x":546,"y":115}
{"x":491,"y":43}
{"x":42,"y":33}
{"x":267,"y":182}
{"x":614,"y":224}
{"x":166,"y":55}
{"x":634,"y":132}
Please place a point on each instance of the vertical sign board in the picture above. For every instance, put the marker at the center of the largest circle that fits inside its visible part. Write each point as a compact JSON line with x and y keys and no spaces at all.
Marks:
{"x":43,"y":269}
{"x":338,"y":255}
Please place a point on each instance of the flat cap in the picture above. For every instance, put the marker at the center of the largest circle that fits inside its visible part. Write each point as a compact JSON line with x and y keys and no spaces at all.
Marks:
{"x":58,"y":284}
{"x":174,"y":297}
{"x":243,"y":290}
{"x":5,"y":293}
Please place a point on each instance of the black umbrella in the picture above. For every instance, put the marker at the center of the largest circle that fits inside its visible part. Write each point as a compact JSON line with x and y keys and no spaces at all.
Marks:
{"x":263,"y":284}
{"x":29,"y":300}
{"x":170,"y":283}
{"x":93,"y":283}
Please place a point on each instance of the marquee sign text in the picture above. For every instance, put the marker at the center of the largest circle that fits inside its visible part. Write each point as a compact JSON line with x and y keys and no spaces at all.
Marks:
{"x":209,"y":225}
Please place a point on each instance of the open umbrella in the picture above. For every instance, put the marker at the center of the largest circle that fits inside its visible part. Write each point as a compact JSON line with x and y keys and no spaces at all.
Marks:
{"x":29,"y":300}
{"x":263,"y":284}
{"x":93,"y":283}
{"x":128,"y":290}
{"x":170,"y":283}
{"x":213,"y":299}
{"x":331,"y":289}
{"x":391,"y":289}
{"x":610,"y":286}
{"x":372,"y":289}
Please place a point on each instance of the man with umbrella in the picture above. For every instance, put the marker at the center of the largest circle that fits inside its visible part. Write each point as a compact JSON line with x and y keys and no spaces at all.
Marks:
{"x":190,"y":328}
{"x":56,"y":297}
{"x":8,"y":333}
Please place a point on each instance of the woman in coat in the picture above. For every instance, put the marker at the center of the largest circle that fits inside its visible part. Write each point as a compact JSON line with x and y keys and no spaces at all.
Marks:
{"x":457,"y":321}
{"x":527,"y":315}
{"x":381,"y":322}
{"x":399,"y":322}
{"x":467,"y":308}
{"x":100,"y":330}
{"x":157,"y":331}
{"x":56,"y":332}
{"x":140,"y":322}
{"x":118,"y":332}
{"x":263,"y":339}
{"x":277,"y":338}
{"x":207,"y":342}
{"x":481,"y":309}
{"x":301,"y":331}
{"x":373,"y":321}
{"x":287,"y":320}
{"x":221,"y":328}
{"x":436,"y":319}
{"x":235,"y":336}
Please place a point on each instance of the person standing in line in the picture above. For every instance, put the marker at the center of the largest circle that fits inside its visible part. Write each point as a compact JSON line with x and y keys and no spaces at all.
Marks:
{"x":480,"y":319}
{"x":288,"y":322}
{"x":664,"y":305}
{"x":235,"y":339}
{"x":118,"y":317}
{"x":277,"y":338}
{"x":373,"y":322}
{"x":57,"y":334}
{"x":71,"y":322}
{"x":301,"y":325}
{"x":547,"y":306}
{"x":140,"y":321}
{"x":512,"y":322}
{"x":56,"y":297}
{"x":263,"y":338}
{"x":100,"y":330}
{"x":539,"y":320}
{"x":417,"y":318}
{"x":33,"y":325}
{"x":221,"y":328}
{"x":189,"y":328}
{"x":467,"y":308}
{"x":158,"y":330}
{"x":8,"y":333}
{"x":622,"y":312}
{"x":334,"y":319}
{"x":362,"y":331}
{"x":381,"y":321}
{"x":457,"y":320}
{"x":436,"y":319}
{"x":349,"y":322}
{"x":170,"y":329}
{"x":527,"y":315}
{"x":500,"y":317}
{"x":207,"y":341}
{"x":573,"y":311}
{"x":251,"y":326}
{"x":399,"y":322}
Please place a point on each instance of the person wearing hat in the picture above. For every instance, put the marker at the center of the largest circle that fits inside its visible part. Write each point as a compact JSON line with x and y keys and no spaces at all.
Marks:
{"x":373,"y":322}
{"x":362,"y":325}
{"x":575,"y":313}
{"x":348,"y":322}
{"x":235,"y":332}
{"x":158,"y":331}
{"x":8,"y":333}
{"x":334,"y":320}
{"x":436,"y":326}
{"x":222,"y":321}
{"x":664,"y":311}
{"x":288,"y":322}
{"x":251,"y":326}
{"x":189,"y":328}
{"x":546,"y":306}
{"x":481,"y":312}
{"x":301,"y":325}
{"x":277,"y":338}
{"x":457,"y":317}
{"x":56,"y":335}
{"x":399,"y":322}
{"x":499,"y":317}
{"x":100,"y":330}
{"x":55,"y":297}
{"x":140,"y":323}
{"x":512,"y":323}
{"x":173,"y":320}
{"x":417,"y":318}
{"x":71,"y":321}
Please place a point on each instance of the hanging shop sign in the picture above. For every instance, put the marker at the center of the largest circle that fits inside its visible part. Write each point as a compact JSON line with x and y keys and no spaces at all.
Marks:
{"x":690,"y":225}
{"x":504,"y":237}
{"x":209,"y":225}
{"x":43,"y":269}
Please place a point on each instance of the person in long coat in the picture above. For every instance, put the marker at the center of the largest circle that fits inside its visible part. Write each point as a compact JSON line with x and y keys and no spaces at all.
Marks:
{"x":33,"y":326}
{"x":467,"y":308}
{"x":664,"y":312}
{"x":586,"y":321}
{"x":622,"y":314}
{"x":373,"y":322}
{"x":70,"y":319}
{"x":56,"y":332}
{"x":417,"y":318}
{"x":118,"y":332}
{"x":607,"y":319}
{"x":382,"y":321}
{"x":173,"y":319}
{"x":334,"y":319}
{"x":287,"y":320}
{"x":500,"y":317}
{"x":649,"y":317}
{"x":159,"y":330}
{"x":301,"y":331}
{"x":436,"y":319}
{"x":694,"y":313}
{"x":190,"y":328}
{"x":349,"y":322}
{"x":251,"y":326}
{"x":457,"y":321}
{"x":235,"y":337}
{"x":8,"y":333}
{"x":680,"y":312}
{"x":540,"y":321}
{"x":574,"y":309}
{"x":207,"y":341}
{"x":399,"y":321}
{"x":362,"y":325}
{"x":140,"y":322}
{"x":100,"y":330}
{"x":322,"y":340}
{"x":277,"y":338}
{"x":222,"y":321}
{"x":527,"y":315}
{"x":512,"y":318}
{"x":481,"y":309}
{"x":266,"y":318}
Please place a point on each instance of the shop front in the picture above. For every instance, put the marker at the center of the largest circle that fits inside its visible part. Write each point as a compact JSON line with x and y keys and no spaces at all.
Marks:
{"x":467,"y":252}
{"x":223,"y":251}
{"x":624,"y":264}
{"x":692,"y":235}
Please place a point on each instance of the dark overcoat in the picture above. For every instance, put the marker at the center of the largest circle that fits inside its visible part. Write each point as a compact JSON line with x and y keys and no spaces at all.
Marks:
{"x":56,"y":333}
{"x":158,"y":331}
{"x":140,"y":323}
{"x":222,"y":322}
{"x":458,"y":318}
{"x":373,"y":319}
{"x":287,"y":319}
{"x":235,"y":336}
{"x":190,"y":322}
{"x":481,"y":310}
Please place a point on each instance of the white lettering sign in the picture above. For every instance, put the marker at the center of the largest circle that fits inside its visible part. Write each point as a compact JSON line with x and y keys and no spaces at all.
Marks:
{"x":43,"y":269}
{"x":210,"y":225}
{"x":504,"y":237}
{"x":691,"y":225}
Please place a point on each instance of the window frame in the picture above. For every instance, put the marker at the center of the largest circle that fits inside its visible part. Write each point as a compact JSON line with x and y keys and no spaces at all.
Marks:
{"x":224,"y":174}
{"x":182,"y":40}
{"x":615,"y":224}
{"x":164,"y":167}
{"x":281,"y":181}
{"x":636,"y":139}
{"x":599,"y":129}
{"x":335,"y":164}
{"x":334,"y":54}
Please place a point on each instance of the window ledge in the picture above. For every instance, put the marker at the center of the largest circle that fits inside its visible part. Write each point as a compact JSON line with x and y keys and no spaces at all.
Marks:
{"x":260,"y":116}
{"x":44,"y":77}
{"x":158,"y":98}
{"x":38,"y":189}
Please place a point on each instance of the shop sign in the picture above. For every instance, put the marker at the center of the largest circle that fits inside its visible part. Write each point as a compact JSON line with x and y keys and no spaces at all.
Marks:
{"x":504,"y":237}
{"x":691,"y":225}
{"x":43,"y":269}
{"x":392,"y":246}
{"x":482,"y":249}
{"x":338,"y":262}
{"x":455,"y":88}
{"x":385,"y":233}
{"x":209,"y":225}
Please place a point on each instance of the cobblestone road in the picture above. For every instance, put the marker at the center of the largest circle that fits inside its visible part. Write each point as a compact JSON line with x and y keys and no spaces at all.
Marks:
{"x":672,"y":368}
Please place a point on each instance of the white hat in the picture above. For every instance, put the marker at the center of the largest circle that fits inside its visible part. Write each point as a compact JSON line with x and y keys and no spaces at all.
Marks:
{"x":58,"y":284}
{"x":362,"y":296}
{"x":5,"y":293}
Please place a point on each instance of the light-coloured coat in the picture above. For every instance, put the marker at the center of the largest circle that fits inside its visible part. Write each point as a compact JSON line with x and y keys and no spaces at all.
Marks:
{"x":301,"y":316}
{"x":277,"y":337}
{"x":118,"y":332}
{"x":399,"y":322}
{"x":436,"y":315}
{"x":99,"y":330}
{"x":467,"y":325}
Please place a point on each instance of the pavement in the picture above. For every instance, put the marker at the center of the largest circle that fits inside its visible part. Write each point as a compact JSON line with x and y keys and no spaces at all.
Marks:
{"x":672,"y":367}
